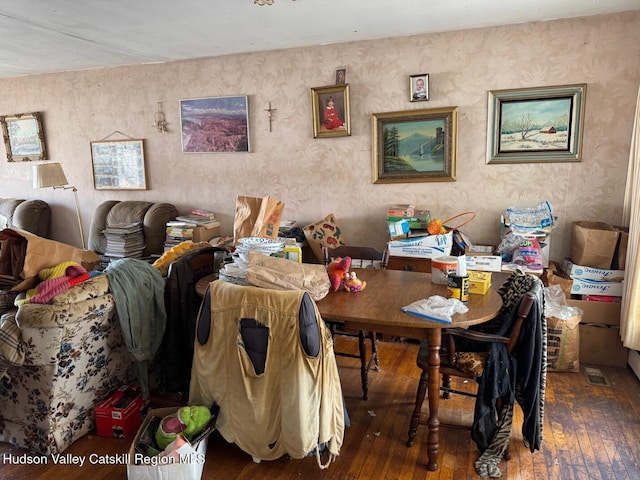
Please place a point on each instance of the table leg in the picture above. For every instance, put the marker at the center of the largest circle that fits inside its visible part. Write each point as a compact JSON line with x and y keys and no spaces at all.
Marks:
{"x":435,"y":340}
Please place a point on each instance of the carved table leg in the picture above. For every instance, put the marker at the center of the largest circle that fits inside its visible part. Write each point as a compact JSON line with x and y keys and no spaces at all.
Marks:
{"x":364,"y":368}
{"x":435,"y":339}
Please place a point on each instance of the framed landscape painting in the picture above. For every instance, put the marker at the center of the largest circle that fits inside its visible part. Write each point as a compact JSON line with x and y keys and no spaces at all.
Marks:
{"x":531,"y":125}
{"x":215,"y":124}
{"x":23,"y":137}
{"x":415,"y":146}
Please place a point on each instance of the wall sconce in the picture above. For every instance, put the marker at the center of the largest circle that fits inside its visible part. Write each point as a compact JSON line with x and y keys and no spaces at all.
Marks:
{"x":160,"y":124}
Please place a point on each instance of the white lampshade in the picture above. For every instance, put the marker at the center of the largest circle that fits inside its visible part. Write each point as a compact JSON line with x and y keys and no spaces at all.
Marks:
{"x":49,"y":175}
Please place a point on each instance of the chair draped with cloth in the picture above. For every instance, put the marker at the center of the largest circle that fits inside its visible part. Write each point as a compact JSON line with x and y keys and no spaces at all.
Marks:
{"x":507,"y":357}
{"x":182,"y":305}
{"x":361,"y":257}
{"x":266,"y":358}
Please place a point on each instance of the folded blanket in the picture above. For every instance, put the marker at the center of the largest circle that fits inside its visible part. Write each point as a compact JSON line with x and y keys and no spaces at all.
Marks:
{"x":11,"y":347}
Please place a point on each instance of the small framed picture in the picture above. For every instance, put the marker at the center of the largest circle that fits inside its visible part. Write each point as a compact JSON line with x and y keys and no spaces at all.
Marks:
{"x":341,"y":76}
{"x":419,"y":87}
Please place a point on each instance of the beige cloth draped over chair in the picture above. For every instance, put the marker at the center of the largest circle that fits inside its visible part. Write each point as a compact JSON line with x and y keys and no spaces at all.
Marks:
{"x":266,"y":358}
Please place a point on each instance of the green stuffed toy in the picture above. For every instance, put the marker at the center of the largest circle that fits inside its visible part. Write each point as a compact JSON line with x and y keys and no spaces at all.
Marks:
{"x":187,"y":421}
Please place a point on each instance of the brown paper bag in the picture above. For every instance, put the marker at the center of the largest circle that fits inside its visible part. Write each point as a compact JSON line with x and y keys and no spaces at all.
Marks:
{"x":44,"y":253}
{"x":620,"y":255}
{"x":257,"y":217}
{"x":554,"y":276}
{"x":563,"y":344}
{"x":283,"y":274}
{"x":593,"y":244}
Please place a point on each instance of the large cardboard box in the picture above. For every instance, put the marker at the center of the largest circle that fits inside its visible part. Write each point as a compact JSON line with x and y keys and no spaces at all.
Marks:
{"x":142,"y":467}
{"x":593,"y":244}
{"x":600,"y":342}
{"x":601,"y":345}
{"x":430,"y":246}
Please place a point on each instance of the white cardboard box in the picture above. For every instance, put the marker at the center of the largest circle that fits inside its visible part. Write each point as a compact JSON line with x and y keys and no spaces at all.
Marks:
{"x":592,"y":273}
{"x":485,"y":263}
{"x":430,"y":246}
{"x":583,"y":286}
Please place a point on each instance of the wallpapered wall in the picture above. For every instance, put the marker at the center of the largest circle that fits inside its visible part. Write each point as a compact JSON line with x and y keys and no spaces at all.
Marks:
{"x":317,"y":176}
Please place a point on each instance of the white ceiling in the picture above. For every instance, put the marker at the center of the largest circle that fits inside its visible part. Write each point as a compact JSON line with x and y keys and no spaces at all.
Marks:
{"x":41,"y":36}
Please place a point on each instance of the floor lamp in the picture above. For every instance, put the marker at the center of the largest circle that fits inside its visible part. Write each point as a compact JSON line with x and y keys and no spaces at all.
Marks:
{"x":52,"y":175}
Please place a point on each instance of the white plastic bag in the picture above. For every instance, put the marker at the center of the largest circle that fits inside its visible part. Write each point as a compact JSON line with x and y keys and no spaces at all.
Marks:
{"x":436,"y":308}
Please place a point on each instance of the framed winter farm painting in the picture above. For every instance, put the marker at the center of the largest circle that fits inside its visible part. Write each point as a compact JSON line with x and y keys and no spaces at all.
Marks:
{"x":531,"y":125}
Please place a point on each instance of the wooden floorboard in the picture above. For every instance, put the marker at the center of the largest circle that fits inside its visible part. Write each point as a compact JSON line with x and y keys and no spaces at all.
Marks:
{"x":591,"y":432}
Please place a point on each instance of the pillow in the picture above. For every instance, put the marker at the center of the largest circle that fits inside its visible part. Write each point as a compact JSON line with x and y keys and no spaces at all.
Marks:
{"x":323,"y":233}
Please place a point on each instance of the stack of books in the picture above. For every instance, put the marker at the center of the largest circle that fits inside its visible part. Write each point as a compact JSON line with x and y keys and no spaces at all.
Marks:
{"x":407,"y":221}
{"x":178,"y":232}
{"x":200,"y":217}
{"x":124,"y":240}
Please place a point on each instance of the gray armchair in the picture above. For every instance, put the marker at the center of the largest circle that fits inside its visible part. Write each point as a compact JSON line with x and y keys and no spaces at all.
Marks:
{"x":33,"y":216}
{"x":153,"y":216}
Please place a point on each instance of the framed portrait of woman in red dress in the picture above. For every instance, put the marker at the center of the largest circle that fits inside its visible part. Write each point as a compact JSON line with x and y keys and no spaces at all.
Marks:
{"x":330,"y":107}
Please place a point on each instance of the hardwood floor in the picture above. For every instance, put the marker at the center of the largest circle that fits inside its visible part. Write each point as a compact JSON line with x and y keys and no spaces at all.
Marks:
{"x":591,"y":432}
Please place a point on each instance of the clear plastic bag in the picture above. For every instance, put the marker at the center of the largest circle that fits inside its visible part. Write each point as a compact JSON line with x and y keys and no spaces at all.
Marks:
{"x":531,"y":220}
{"x":436,"y":308}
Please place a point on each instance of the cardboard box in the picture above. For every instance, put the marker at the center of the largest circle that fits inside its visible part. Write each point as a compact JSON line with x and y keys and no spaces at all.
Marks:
{"x":597,"y":313}
{"x":485,"y":263}
{"x":398,"y":228}
{"x":405,"y":210}
{"x":479,"y":282}
{"x":582,"y":286}
{"x":593,"y":244}
{"x":430,"y":246}
{"x":204,"y":234}
{"x":601,"y":345}
{"x":120,"y":415}
{"x":142,"y":467}
{"x":600,"y":342}
{"x":592,"y":273}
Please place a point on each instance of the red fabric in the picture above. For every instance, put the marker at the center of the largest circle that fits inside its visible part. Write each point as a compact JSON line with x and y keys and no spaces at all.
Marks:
{"x":331,"y":118}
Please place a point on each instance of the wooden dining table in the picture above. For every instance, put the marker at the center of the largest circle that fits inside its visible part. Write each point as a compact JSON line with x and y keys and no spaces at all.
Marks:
{"x":377,"y":309}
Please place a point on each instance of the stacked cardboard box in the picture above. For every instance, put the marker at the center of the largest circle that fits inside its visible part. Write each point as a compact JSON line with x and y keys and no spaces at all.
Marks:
{"x":591,"y":284}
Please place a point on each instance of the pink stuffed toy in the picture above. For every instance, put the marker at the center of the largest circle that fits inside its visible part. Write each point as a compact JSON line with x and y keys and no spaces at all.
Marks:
{"x":337,"y":270}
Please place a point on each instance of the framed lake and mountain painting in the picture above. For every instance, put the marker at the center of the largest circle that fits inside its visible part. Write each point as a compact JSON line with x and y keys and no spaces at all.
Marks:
{"x":415,"y":146}
{"x":532,"y":125}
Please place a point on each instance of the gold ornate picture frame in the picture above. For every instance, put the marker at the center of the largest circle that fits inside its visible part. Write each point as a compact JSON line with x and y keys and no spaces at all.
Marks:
{"x":330,"y":108}
{"x":23,"y":137}
{"x":415,"y":146}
